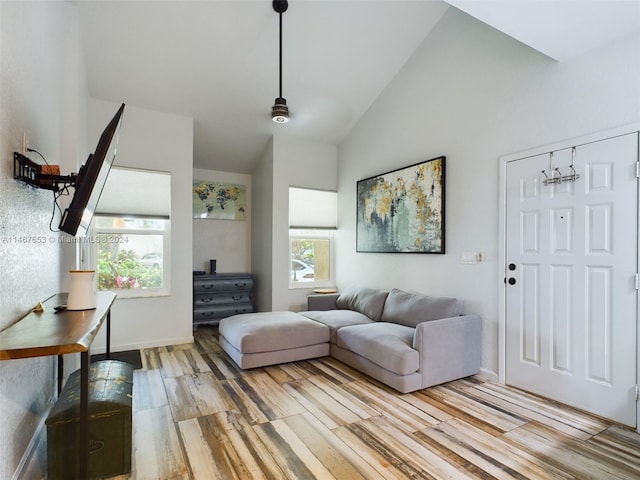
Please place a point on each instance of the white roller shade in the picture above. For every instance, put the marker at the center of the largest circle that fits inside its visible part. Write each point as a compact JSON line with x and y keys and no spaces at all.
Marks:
{"x":133,"y":192}
{"x":310,"y":208}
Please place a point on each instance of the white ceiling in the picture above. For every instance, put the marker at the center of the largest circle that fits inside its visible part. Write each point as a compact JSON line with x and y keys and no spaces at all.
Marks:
{"x":217,"y":60}
{"x":560,"y":29}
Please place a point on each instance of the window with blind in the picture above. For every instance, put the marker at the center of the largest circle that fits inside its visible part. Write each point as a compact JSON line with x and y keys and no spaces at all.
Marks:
{"x":312,"y":221}
{"x":132,"y":231}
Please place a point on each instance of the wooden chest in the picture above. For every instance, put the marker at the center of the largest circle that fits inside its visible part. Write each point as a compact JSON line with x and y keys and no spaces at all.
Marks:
{"x":110,"y":418}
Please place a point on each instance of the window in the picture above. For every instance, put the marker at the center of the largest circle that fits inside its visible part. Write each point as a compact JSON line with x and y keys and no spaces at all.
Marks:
{"x":312,"y":220}
{"x":311,"y":258}
{"x":132,"y":230}
{"x":131,"y":255}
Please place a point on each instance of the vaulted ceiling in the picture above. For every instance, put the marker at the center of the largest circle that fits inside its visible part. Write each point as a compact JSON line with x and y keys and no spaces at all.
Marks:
{"x":217,"y":61}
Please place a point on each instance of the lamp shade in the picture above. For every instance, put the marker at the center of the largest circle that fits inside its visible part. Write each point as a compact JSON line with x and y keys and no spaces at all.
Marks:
{"x":82,"y":296}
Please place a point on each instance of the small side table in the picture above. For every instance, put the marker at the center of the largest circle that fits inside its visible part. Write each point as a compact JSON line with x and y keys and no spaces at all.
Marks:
{"x":324,"y":291}
{"x":41,"y":334}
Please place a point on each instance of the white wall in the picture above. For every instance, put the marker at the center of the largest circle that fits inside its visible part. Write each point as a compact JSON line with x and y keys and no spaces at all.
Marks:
{"x":226,"y":241}
{"x":297,"y":163}
{"x":261,"y":230}
{"x":43,"y":93}
{"x":155,"y":141}
{"x":474,"y":94}
{"x":286,"y":162}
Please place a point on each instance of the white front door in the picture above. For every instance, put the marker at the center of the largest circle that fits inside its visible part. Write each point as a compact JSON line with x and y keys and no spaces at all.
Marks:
{"x":571,"y":264}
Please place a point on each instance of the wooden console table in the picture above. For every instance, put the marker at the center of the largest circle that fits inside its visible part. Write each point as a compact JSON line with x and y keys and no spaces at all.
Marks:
{"x":41,"y":334}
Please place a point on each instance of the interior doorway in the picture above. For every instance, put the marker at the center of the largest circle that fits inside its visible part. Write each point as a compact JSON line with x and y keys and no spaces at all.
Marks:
{"x":570,"y":250}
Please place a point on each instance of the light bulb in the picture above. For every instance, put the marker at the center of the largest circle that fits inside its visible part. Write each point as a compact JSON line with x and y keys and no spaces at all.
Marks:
{"x":280,"y":111}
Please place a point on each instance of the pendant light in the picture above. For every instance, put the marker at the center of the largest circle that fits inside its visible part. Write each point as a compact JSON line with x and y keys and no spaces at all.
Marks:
{"x":280,"y":111}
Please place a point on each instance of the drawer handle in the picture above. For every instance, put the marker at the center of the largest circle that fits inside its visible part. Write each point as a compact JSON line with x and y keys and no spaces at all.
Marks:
{"x":206,"y":300}
{"x":237,"y":297}
{"x":95,"y":446}
{"x":207,"y":287}
{"x":241,"y":285}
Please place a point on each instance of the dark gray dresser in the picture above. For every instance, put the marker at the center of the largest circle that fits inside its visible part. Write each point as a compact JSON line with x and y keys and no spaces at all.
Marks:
{"x":219,"y":296}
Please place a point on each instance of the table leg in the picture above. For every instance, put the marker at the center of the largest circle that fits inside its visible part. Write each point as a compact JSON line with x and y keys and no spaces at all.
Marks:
{"x":108,"y":335}
{"x":60,"y":372}
{"x":84,"y":415}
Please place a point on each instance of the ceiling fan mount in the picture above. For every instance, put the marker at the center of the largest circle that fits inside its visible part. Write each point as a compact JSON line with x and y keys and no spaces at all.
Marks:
{"x":280,"y":6}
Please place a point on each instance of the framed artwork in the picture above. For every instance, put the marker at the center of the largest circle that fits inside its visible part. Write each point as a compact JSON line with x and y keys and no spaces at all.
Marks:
{"x":402,"y":211}
{"x":222,"y":201}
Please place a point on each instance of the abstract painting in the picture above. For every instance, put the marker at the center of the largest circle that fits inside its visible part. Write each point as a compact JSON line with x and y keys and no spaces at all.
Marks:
{"x":221,"y":201}
{"x":403,"y":211}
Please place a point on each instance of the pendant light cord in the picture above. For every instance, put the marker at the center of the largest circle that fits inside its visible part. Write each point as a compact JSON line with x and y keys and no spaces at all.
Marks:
{"x":280,"y":14}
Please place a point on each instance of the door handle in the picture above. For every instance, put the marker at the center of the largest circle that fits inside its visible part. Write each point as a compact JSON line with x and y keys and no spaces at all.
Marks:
{"x":512,"y":266}
{"x":512,"y":281}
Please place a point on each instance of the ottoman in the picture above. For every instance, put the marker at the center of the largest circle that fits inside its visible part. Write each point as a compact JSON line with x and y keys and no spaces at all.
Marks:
{"x":268,"y":338}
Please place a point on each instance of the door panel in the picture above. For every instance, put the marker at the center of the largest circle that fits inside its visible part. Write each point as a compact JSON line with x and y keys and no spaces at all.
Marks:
{"x":561,"y":315}
{"x":530,"y":315}
{"x":571,"y":300}
{"x":599,"y":324}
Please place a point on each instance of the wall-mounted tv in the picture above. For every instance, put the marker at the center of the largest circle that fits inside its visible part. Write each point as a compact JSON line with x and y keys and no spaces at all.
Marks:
{"x":91,"y":179}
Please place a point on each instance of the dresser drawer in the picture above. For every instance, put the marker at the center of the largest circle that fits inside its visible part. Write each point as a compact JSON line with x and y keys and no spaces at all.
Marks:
{"x":218,"y":298}
{"x":220,"y":311}
{"x":203,"y":285}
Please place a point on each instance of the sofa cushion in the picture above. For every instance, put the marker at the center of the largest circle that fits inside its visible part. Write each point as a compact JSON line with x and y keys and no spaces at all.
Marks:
{"x":368,"y":301}
{"x":385,"y":344}
{"x":271,"y":331}
{"x":335,"y":319}
{"x":410,"y":309}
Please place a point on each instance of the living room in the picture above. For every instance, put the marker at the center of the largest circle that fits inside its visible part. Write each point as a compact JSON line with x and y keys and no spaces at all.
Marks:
{"x":468,"y":92}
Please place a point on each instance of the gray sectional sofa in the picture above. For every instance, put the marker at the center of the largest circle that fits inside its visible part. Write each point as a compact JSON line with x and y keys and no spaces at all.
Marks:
{"x":405,"y":340}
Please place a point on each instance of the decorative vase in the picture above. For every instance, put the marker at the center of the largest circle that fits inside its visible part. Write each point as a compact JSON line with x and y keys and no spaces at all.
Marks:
{"x":81,"y":295}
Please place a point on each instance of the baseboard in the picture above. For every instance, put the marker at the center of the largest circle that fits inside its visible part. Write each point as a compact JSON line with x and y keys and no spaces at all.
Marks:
{"x":489,"y":375}
{"x":32,"y":464}
{"x":140,"y":345}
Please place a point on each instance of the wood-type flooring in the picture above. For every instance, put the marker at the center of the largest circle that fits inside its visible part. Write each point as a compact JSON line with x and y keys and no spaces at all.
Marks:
{"x":198,"y":416}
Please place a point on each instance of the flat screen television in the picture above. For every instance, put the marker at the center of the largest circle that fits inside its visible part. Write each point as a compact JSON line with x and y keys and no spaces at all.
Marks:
{"x":91,"y":179}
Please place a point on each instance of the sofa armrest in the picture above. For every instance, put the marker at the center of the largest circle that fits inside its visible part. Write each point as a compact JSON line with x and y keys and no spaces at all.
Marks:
{"x":325,"y":301}
{"x":449,"y":348}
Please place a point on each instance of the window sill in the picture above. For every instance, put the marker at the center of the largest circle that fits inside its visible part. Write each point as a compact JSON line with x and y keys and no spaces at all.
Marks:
{"x":310,"y":285}
{"x":150,"y":293}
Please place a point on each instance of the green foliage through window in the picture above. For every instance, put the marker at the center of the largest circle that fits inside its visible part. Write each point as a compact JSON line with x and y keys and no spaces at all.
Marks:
{"x":303,"y":250}
{"x":123,"y":270}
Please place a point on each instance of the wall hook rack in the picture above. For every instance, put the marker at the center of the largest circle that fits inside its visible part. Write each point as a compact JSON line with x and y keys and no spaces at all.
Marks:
{"x":27,"y":171}
{"x":558,"y":177}
{"x":556,"y":174}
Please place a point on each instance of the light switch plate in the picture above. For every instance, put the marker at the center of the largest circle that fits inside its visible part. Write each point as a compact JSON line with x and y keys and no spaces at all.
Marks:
{"x":468,"y":258}
{"x":472,"y":258}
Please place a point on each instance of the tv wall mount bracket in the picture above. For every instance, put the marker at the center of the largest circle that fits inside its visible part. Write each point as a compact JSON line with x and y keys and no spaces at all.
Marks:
{"x":27,"y":171}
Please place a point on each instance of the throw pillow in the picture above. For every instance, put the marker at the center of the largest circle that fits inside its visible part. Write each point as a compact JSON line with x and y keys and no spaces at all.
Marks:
{"x":410,"y":309}
{"x":367,"y":301}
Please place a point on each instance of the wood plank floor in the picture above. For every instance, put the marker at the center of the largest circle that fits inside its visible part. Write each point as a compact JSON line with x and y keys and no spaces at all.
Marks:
{"x":198,"y":416}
